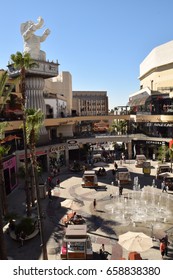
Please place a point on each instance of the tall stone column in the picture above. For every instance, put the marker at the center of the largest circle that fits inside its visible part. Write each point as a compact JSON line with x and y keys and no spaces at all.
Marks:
{"x":34,"y":93}
{"x":34,"y":96}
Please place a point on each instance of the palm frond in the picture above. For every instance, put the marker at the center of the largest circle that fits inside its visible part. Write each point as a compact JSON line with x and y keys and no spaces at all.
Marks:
{"x":4,"y":90}
{"x":34,"y":121}
{"x":22,"y":60}
{"x":4,"y":150}
{"x":3,"y":80}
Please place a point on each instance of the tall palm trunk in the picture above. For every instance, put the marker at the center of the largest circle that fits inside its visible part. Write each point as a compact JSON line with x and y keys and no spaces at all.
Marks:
{"x":27,"y":190}
{"x":3,"y":196}
{"x":33,"y":194}
{"x":39,"y":208}
{"x":3,"y":251}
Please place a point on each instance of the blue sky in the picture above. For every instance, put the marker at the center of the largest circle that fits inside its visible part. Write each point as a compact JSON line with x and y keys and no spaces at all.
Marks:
{"x":100,"y":42}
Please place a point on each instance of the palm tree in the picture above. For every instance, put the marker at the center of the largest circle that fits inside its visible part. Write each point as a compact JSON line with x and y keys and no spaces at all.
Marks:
{"x":3,"y":198}
{"x":34,"y":121}
{"x":163,"y":152}
{"x":3,"y":151}
{"x":3,"y":250}
{"x":119,"y":126}
{"x":22,"y":62}
{"x":5,"y":93}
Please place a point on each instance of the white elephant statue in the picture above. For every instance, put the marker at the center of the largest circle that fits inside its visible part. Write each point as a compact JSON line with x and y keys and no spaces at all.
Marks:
{"x":32,"y":41}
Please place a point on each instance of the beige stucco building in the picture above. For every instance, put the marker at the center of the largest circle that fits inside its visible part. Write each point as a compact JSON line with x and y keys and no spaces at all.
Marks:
{"x":156,"y":75}
{"x":60,"y":87}
{"x":156,"y":70}
{"x":58,"y":100}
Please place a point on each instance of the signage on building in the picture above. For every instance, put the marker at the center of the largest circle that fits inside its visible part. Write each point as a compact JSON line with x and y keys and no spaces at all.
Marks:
{"x":160,"y":124}
{"x":55,"y":149}
{"x":9,"y":163}
{"x":154,"y":142}
{"x":73,"y":144}
{"x":143,"y":142}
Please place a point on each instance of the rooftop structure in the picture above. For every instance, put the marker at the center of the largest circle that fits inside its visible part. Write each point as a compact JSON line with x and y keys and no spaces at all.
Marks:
{"x":159,"y":56}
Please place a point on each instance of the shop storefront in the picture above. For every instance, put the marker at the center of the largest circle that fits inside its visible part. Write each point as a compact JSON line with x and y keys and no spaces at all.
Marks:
{"x":41,"y":158}
{"x":147,"y":147}
{"x":57,"y":156}
{"x":74,"y":150}
{"x":10,"y":175}
{"x":159,"y":129}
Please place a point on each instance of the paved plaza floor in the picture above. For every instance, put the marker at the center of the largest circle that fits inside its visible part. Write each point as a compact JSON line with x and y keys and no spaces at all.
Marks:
{"x":147,"y":210}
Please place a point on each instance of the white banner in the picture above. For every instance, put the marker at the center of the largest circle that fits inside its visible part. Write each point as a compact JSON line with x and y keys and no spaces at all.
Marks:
{"x":89,"y":269}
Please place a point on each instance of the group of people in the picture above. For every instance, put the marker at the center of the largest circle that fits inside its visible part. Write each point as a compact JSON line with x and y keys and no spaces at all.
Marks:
{"x":101,"y":172}
{"x":77,"y":219}
{"x":73,"y":218}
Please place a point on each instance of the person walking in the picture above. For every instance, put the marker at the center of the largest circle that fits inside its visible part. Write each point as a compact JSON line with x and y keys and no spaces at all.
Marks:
{"x":102,"y":252}
{"x":120,"y":188}
{"x":164,"y":188}
{"x":166,"y":241}
{"x":103,"y":247}
{"x":162,"y":248}
{"x":50,"y":193}
{"x":49,"y":181}
{"x":58,"y":182}
{"x":113,"y":173}
{"x":115,"y":165}
{"x":94,"y":203}
{"x":22,"y":237}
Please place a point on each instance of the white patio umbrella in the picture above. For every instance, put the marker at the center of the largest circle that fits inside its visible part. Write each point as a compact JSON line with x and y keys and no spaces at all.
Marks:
{"x":72,"y":204}
{"x":66,"y":203}
{"x":135,"y":241}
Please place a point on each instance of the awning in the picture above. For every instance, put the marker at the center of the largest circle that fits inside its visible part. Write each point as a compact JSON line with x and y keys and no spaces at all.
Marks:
{"x":14,"y":111}
{"x":75,"y":239}
{"x":138,"y":100}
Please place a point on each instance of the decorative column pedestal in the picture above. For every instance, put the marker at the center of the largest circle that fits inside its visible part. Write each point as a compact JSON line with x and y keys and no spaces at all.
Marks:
{"x":35,"y":84}
{"x":34,"y":96}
